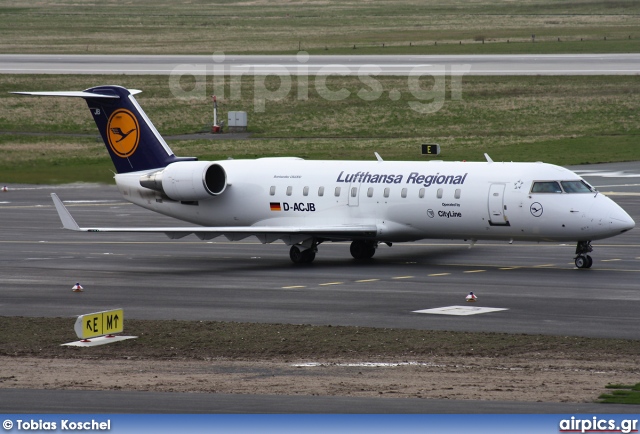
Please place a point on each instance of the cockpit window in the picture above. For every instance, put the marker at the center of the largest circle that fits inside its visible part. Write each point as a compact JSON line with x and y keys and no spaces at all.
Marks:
{"x":579,"y":186}
{"x":546,"y":187}
{"x":575,"y":187}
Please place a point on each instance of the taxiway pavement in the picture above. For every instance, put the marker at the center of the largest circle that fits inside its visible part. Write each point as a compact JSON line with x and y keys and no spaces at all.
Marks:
{"x":152,"y":277}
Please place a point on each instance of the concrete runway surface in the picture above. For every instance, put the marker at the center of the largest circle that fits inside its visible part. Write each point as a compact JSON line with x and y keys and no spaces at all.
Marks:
{"x":301,"y":64}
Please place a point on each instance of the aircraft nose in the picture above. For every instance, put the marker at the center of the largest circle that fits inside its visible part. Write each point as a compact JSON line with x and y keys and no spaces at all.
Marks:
{"x":608,"y":218}
{"x":621,"y":221}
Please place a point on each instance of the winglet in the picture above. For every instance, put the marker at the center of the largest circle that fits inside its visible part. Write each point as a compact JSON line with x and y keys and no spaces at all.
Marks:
{"x":65,"y":216}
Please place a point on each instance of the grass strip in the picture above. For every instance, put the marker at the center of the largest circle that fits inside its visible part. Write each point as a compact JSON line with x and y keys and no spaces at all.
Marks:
{"x":561,"y":120}
{"x":332,"y":26}
{"x":621,"y":394}
{"x":42,"y":337}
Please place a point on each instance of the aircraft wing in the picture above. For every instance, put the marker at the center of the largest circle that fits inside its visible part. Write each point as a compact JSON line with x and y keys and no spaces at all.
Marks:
{"x":266,"y":234}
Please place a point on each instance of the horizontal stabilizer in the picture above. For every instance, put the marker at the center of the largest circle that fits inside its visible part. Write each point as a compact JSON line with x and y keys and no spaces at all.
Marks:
{"x":76,"y":94}
{"x":68,"y":94}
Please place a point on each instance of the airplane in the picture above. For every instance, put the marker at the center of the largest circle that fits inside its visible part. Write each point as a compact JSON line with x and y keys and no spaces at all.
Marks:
{"x":305,"y":203}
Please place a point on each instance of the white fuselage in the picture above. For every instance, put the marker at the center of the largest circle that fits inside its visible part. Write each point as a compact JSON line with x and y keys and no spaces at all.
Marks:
{"x":405,"y":200}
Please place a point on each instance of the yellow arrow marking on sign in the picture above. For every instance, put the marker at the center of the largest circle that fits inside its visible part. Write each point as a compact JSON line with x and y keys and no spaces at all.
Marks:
{"x":96,"y":324}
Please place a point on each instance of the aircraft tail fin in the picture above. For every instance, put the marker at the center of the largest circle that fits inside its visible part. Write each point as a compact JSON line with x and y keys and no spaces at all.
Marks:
{"x":133,"y":142}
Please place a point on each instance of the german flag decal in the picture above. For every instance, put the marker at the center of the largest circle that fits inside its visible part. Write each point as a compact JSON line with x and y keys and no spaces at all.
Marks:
{"x":275,"y":206}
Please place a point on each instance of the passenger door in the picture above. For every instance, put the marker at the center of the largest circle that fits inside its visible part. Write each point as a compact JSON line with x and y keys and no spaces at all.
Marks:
{"x":497,"y":216}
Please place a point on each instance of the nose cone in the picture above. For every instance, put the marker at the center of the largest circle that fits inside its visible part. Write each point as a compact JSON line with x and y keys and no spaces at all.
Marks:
{"x":621,"y":221}
{"x":607,"y":219}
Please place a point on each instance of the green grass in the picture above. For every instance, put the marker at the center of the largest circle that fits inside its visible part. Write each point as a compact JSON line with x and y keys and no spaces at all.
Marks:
{"x":561,"y":120}
{"x":549,"y":45}
{"x":281,"y":26}
{"x":621,"y":394}
{"x":61,"y":160}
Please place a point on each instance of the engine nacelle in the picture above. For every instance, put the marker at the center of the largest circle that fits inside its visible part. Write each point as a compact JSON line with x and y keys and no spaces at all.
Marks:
{"x":187,"y":180}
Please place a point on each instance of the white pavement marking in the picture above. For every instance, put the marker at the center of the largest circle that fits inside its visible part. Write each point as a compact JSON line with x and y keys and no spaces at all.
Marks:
{"x":460,"y":310}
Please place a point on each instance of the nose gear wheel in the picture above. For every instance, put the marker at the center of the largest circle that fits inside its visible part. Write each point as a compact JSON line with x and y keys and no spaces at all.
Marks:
{"x":583,"y":260}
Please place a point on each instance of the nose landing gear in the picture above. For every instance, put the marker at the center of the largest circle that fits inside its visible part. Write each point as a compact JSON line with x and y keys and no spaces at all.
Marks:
{"x":583,"y":260}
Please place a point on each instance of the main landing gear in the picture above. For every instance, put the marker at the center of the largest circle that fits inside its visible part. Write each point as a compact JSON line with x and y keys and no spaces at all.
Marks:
{"x":360,"y":249}
{"x":582,"y":259}
{"x":302,"y":256}
{"x":363,"y":250}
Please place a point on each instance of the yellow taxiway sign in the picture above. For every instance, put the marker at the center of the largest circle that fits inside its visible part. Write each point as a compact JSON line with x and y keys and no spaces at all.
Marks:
{"x":96,"y":324}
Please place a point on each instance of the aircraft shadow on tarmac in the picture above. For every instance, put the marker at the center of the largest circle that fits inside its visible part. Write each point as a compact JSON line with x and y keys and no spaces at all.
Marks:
{"x":331,"y":259}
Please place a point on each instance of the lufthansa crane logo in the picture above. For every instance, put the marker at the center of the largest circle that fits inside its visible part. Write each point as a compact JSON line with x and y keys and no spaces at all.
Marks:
{"x":123,"y":133}
{"x":536,"y":209}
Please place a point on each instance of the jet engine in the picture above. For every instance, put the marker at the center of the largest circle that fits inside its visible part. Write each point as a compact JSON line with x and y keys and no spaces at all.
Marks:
{"x":187,"y":180}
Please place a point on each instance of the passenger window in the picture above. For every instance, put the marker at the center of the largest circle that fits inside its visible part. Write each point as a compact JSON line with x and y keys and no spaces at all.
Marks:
{"x":337,"y":192}
{"x":421,"y":193}
{"x":546,"y":187}
{"x":386,"y":192}
{"x":575,"y":187}
{"x":320,"y":191}
{"x":272,"y":190}
{"x":439,"y":193}
{"x":457,"y":193}
{"x":305,"y":191}
{"x":354,"y":191}
{"x":403,"y":193}
{"x":289,"y":190}
{"x":370,"y":192}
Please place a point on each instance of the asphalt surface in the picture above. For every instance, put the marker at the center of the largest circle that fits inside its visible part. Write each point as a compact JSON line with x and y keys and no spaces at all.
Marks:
{"x":400,"y":65}
{"x":152,"y":277}
{"x":86,"y":401}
